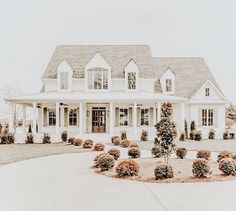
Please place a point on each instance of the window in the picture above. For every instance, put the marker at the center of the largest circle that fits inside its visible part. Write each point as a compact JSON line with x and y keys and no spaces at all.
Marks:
{"x":64,"y":80}
{"x":144,"y":117}
{"x":98,"y":78}
{"x":168,"y":85}
{"x":207,"y":117}
{"x":73,"y":117}
{"x":51,"y":117}
{"x":123,"y":117}
{"x":207,"y":92}
{"x":131,"y":80}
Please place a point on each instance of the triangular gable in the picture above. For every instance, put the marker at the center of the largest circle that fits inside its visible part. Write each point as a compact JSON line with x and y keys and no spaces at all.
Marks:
{"x":97,"y":61}
{"x":131,"y":66}
{"x":63,"y":66}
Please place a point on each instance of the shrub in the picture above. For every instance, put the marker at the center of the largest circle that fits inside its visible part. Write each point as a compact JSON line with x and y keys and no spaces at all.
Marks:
{"x":115,"y":153}
{"x":133,"y":145}
{"x":123,"y":135}
{"x":191,"y":135}
{"x":204,"y":154}
{"x":234,"y":156}
{"x":99,"y":147}
{"x":125,"y":143}
{"x":105,"y":162}
{"x":226,"y":135}
{"x":29,"y":138}
{"x":46,"y":138}
{"x":211,"y":134}
{"x":113,"y":138}
{"x":134,"y":152}
{"x":30,"y":129}
{"x":144,"y":135}
{"x":163,"y":171}
{"x":224,"y":154}
{"x":97,"y":157}
{"x":71,"y":140}
{"x":192,"y":126}
{"x":117,"y":141}
{"x":64,"y":136}
{"x":232,"y":136}
{"x":200,"y":168}
{"x":78,"y":142}
{"x":127,"y":168}
{"x":88,"y":144}
{"x":181,"y":152}
{"x":182,"y":137}
{"x":198,"y":135}
{"x":227,"y":166}
{"x":157,"y":151}
{"x":7,"y":138}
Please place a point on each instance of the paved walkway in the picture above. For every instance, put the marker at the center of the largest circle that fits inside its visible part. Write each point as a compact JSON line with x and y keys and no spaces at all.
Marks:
{"x":66,"y":182}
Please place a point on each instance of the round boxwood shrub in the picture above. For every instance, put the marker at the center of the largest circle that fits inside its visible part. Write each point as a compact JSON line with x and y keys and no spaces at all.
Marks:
{"x":204,"y":154}
{"x":29,"y":138}
{"x":198,"y":135}
{"x":226,"y":135}
{"x":127,"y":168}
{"x":46,"y":138}
{"x":78,"y":142}
{"x":181,"y":152}
{"x":224,"y":154}
{"x":97,"y":157}
{"x":105,"y":162}
{"x":163,"y":171}
{"x":117,"y":141}
{"x":227,"y":166}
{"x":157,"y":151}
{"x":99,"y":147}
{"x":71,"y":140}
{"x":134,"y":152}
{"x":114,"y":152}
{"x":113,"y":138}
{"x":125,"y":143}
{"x":200,"y":168}
{"x":64,"y":136}
{"x":133,"y":145}
{"x":88,"y":144}
{"x":211,"y":134}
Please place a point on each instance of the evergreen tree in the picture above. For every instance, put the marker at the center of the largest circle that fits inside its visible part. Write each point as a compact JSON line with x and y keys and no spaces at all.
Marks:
{"x":186,"y":129}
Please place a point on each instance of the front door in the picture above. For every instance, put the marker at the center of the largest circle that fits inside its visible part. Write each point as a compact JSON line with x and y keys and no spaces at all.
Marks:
{"x":99,"y":120}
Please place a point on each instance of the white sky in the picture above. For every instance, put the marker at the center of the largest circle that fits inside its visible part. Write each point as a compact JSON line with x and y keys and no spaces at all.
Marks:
{"x":30,"y":30}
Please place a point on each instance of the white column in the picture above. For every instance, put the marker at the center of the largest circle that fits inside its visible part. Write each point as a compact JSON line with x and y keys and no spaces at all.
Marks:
{"x":62,"y":117}
{"x":158,"y":111}
{"x":135,"y":118}
{"x":111,"y":117}
{"x":23,"y":119}
{"x":11,"y":118}
{"x":57,"y":117}
{"x":34,"y":117}
{"x":81,"y":118}
{"x":182,"y":116}
{"x":154,"y":115}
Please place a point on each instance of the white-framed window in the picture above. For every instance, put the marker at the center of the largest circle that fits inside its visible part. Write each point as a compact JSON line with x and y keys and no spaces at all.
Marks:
{"x":64,"y":76}
{"x":145,"y":116}
{"x":132,"y":80}
{"x":97,"y":79}
{"x":207,"y":117}
{"x":168,"y":85}
{"x":51,"y":116}
{"x":123,"y":116}
{"x":73,"y":117}
{"x":207,"y":92}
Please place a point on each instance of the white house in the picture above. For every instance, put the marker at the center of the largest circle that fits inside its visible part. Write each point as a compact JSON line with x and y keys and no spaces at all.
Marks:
{"x":91,"y":89}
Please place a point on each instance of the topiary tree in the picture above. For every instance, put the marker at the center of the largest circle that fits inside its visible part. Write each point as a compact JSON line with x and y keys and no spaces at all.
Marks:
{"x":166,"y":130}
{"x":186,"y":129}
{"x":30,"y":129}
{"x":192,"y":130}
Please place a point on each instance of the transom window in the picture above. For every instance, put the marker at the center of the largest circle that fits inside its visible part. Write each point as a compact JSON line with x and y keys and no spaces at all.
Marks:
{"x":207,"y":117}
{"x":144,"y":116}
{"x":64,"y":80}
{"x":51,"y":117}
{"x":98,"y":78}
{"x":73,"y":117}
{"x":123,"y":116}
{"x":131,"y":80}
{"x":168,"y":85}
{"x":207,"y":92}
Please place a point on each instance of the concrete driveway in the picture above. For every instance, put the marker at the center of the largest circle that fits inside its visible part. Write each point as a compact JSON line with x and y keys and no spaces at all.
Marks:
{"x":66,"y":182}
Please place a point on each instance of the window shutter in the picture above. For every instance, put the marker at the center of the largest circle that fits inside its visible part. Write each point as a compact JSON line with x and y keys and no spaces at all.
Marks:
{"x":215,"y":117}
{"x":116,"y":117}
{"x":65,"y":117}
{"x":130,"y":117}
{"x":138,"y":116}
{"x":45,"y":117}
{"x":199,"y":117}
{"x":151,"y":116}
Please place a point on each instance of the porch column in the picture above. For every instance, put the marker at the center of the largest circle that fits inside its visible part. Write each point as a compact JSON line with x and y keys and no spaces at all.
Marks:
{"x":135,"y":118}
{"x":111,"y":117}
{"x":11,"y":118}
{"x":182,"y":116}
{"x":24,"y":119}
{"x":154,"y":115}
{"x":57,"y":117}
{"x":81,"y":118}
{"x":158,"y":111}
{"x":62,"y":117}
{"x":34,"y":118}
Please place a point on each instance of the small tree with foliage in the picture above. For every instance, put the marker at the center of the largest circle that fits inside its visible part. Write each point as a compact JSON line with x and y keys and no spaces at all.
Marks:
{"x":166,"y":130}
{"x":186,"y":129}
{"x":192,"y":130}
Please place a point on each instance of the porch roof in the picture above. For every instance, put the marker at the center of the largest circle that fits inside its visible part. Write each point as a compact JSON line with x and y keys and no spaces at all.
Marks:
{"x":114,"y":96}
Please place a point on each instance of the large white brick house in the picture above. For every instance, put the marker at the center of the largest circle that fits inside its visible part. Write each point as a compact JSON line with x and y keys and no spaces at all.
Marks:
{"x":108,"y":88}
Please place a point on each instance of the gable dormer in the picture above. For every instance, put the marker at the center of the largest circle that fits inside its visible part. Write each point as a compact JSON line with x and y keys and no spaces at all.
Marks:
{"x":97,"y":74}
{"x":131,"y":76}
{"x":64,"y":76}
{"x":167,"y":81}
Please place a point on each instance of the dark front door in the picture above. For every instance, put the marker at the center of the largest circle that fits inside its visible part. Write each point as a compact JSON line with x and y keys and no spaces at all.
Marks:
{"x":99,"y":120}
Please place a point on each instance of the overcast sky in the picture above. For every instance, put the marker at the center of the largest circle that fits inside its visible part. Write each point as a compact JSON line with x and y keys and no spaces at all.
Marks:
{"x":30,"y":31}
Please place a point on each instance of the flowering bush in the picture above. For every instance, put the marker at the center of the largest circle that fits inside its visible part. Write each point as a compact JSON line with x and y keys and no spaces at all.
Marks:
{"x":133,"y":145}
{"x":64,"y":136}
{"x":134,"y":152}
{"x":88,"y":144}
{"x":204,"y":154}
{"x":157,"y":151}
{"x":211,"y":134}
{"x":117,"y":141}
{"x":97,"y":157}
{"x":78,"y":142}
{"x":125,"y":143}
{"x":163,"y":171}
{"x":105,"y":162}
{"x":181,"y":152}
{"x":127,"y":168}
{"x":71,"y":140}
{"x":99,"y":147}
{"x":144,"y":135}
{"x":224,"y":154}
{"x":200,"y":168}
{"x":227,"y":166}
{"x":29,"y":138}
{"x":113,"y":138}
{"x":114,"y":152}
{"x":46,"y":138}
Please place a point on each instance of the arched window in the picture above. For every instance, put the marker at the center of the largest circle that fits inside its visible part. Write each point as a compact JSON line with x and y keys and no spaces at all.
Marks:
{"x":97,"y":78}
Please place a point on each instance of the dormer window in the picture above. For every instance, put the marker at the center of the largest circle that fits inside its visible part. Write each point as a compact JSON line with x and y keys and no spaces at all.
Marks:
{"x":131,"y":80}
{"x":207,"y":92}
{"x":64,"y":73}
{"x":168,"y":85}
{"x":64,"y":80}
{"x":167,"y":81}
{"x":98,"y":79}
{"x":131,"y":76}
